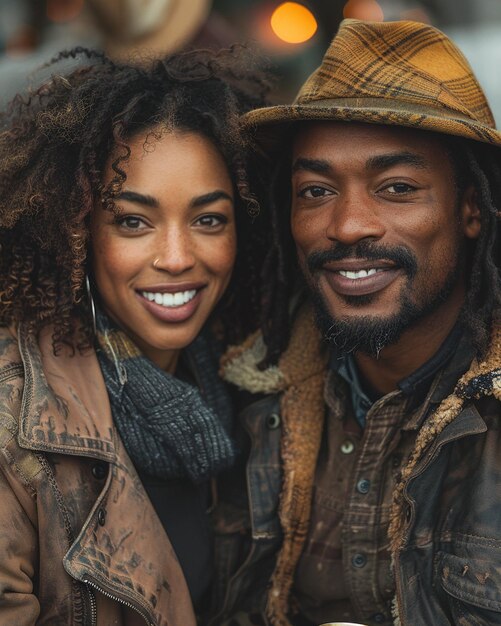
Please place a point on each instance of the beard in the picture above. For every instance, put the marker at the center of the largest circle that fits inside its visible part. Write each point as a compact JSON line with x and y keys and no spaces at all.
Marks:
{"x":369,"y":334}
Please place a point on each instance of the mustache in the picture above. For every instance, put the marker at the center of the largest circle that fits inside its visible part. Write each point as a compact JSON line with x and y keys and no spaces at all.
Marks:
{"x":364,"y":250}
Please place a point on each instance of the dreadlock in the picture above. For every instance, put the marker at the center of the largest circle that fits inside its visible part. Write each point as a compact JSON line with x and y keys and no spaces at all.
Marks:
{"x":475,"y":165}
{"x":280,"y":268}
{"x":482,"y":169}
{"x":54,"y":145}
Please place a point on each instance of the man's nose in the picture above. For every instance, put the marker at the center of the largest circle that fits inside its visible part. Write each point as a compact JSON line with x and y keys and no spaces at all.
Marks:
{"x":353,"y":218}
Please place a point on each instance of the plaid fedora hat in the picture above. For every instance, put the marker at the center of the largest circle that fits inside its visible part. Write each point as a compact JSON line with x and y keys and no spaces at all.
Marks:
{"x":387,"y":73}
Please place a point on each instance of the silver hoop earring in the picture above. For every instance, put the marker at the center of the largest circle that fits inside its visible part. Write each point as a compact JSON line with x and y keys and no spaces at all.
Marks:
{"x":155,"y":263}
{"x":92,"y":306}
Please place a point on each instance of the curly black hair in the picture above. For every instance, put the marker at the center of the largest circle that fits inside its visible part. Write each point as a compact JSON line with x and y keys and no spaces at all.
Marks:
{"x":54,"y":144}
{"x":474,"y":164}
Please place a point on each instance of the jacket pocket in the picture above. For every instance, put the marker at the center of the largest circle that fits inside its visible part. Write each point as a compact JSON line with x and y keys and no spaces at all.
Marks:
{"x":473,"y":586}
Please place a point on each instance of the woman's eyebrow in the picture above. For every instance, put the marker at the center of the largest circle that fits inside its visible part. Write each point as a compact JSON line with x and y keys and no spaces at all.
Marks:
{"x":208,"y":198}
{"x":138,"y":198}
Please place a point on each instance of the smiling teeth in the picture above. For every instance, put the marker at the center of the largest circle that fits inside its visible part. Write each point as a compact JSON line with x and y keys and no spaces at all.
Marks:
{"x":170,"y":299}
{"x":359,"y":274}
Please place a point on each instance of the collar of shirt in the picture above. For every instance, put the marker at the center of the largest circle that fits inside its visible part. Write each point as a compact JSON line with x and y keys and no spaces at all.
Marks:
{"x":416,"y":385}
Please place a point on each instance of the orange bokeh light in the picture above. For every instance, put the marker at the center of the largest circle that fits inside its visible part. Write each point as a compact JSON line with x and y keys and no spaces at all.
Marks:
{"x":293,"y":22}
{"x":363,"y":10}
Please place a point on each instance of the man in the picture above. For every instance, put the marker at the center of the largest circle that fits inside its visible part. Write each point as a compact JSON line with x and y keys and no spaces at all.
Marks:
{"x":385,"y":472}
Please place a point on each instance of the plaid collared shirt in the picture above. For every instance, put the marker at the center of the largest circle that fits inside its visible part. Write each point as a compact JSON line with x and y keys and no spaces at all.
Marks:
{"x":344,"y":573}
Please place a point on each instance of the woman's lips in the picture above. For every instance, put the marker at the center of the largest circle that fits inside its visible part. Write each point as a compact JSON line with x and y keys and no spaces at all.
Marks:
{"x":172,"y":314}
{"x":346,"y":286}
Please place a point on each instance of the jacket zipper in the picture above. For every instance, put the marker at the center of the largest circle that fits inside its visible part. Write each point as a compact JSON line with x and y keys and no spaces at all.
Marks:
{"x":93,"y":606}
{"x":112,"y":597}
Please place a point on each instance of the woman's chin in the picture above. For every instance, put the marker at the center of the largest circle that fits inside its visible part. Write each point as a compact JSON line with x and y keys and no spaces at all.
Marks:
{"x":165,"y":341}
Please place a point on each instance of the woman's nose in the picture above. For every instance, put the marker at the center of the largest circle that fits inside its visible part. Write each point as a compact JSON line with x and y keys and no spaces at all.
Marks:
{"x":175,"y":253}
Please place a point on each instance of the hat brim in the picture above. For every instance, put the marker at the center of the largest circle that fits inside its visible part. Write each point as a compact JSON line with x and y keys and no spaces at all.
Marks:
{"x":269,"y":125}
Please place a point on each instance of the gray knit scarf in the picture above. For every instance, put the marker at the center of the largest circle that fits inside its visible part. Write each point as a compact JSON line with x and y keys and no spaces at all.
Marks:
{"x":169,"y":430}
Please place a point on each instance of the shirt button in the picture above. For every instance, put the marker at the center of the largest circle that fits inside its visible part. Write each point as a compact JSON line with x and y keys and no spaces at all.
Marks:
{"x":273,"y":421}
{"x":363,"y":485}
{"x":99,"y":470}
{"x":379,"y":618}
{"x":358,"y":560}
{"x":347,"y":447}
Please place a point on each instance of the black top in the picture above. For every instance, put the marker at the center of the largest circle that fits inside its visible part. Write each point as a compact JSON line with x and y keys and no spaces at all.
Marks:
{"x":182,"y":508}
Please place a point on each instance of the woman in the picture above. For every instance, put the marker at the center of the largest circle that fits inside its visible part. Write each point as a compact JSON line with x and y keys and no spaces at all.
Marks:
{"x":123,"y":193}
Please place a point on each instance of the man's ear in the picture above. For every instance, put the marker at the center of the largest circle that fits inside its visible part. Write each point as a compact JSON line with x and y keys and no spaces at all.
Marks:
{"x":470,"y":213}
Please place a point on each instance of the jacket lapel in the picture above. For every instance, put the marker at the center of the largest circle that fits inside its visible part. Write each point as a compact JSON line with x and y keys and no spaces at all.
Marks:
{"x":122,"y":551}
{"x":65,"y":407}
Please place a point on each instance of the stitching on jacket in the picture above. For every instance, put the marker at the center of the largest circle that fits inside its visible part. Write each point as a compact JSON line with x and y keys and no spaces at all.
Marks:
{"x":59,"y":497}
{"x":27,"y":482}
{"x":78,"y":602}
{"x":11,"y":371}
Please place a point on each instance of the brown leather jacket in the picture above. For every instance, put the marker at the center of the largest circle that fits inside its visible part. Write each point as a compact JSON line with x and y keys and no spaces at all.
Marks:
{"x":80,"y":542}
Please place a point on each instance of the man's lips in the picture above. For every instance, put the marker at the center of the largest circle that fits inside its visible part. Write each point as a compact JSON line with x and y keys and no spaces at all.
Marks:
{"x":356,"y":277}
{"x":357,"y":264}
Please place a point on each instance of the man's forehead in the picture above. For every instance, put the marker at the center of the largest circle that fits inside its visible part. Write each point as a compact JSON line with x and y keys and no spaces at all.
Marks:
{"x":379,"y":145}
{"x":329,"y":129}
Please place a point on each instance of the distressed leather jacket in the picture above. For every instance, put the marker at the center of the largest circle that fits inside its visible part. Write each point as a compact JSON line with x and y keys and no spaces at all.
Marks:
{"x":445,"y":535}
{"x":80,"y":543}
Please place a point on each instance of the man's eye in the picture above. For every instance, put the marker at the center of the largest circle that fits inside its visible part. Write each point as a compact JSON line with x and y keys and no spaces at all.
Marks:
{"x":398,"y":188}
{"x":314,"y":192}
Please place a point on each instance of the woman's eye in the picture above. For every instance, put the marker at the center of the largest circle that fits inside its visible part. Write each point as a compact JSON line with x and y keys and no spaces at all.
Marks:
{"x":398,"y":188}
{"x":130,"y":222}
{"x":211,"y":221}
{"x":314,"y":192}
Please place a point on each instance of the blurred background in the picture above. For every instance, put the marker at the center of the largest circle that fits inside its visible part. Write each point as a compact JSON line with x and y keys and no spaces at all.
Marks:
{"x":293,"y":35}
